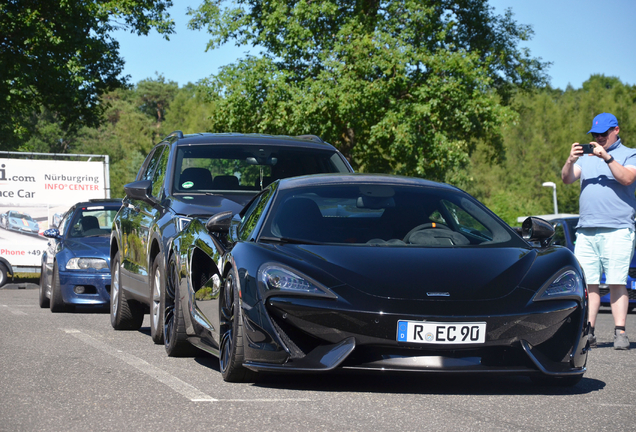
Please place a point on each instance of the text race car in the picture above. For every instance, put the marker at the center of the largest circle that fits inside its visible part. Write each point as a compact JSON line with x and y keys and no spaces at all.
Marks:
{"x":21,"y":222}
{"x":375,"y":272}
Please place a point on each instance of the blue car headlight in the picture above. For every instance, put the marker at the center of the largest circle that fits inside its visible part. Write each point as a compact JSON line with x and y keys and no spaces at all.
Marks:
{"x":274,"y":279}
{"x":86,"y":263}
{"x":566,"y":285}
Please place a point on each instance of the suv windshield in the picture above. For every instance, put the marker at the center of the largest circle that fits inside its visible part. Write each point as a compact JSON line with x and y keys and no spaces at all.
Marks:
{"x":203,"y":168}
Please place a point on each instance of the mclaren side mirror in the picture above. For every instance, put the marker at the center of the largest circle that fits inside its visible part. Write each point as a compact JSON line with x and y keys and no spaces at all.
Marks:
{"x":535,"y":229}
{"x":220,"y":222}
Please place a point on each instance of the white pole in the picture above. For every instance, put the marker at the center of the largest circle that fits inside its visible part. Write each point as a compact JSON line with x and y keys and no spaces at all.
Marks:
{"x":554,"y":195}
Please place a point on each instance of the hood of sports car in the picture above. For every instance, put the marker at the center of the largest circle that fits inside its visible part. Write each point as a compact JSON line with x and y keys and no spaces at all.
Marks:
{"x":200,"y":204}
{"x":454,"y":274}
{"x":23,"y":223}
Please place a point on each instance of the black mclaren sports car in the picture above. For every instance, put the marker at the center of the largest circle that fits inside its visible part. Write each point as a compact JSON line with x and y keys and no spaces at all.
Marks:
{"x":375,"y":272}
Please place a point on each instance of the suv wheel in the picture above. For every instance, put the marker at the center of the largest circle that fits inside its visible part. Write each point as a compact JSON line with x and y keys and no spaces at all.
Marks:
{"x":175,"y":337}
{"x":158,"y":300}
{"x":124,"y":314}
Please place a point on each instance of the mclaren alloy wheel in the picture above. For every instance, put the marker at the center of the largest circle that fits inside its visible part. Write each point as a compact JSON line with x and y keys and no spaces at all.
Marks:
{"x":231,"y":349}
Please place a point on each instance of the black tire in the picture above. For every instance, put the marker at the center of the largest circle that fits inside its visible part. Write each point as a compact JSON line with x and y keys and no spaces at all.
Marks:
{"x":231,"y":350}
{"x":44,"y":301}
{"x":175,"y":337}
{"x":551,"y":381}
{"x":57,"y":301}
{"x":124,"y":314}
{"x":4,"y":277}
{"x":157,"y":299}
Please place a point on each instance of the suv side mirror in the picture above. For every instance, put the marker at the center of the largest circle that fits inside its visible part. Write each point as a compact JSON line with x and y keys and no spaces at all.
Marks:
{"x":220,"y":222}
{"x":535,"y":229}
{"x":140,"y":190}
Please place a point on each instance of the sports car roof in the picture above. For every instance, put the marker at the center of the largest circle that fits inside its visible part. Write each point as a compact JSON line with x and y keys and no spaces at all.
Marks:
{"x":359,"y":178}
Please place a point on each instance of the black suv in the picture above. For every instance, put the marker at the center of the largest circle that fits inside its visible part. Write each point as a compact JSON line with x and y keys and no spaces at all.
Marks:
{"x":187,"y":176}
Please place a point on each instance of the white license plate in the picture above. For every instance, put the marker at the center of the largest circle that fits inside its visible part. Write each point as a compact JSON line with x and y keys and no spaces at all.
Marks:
{"x":441,"y":332}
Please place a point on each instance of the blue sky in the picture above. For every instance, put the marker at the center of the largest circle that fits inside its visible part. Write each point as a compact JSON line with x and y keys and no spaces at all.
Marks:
{"x":579,"y":37}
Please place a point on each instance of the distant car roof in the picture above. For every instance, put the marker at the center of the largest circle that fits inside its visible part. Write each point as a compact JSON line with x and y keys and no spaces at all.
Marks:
{"x":550,"y":217}
{"x":358,"y":178}
{"x":100,"y":201}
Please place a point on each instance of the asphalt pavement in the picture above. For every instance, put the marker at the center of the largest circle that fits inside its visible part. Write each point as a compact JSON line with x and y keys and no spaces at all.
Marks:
{"x":73,"y":372}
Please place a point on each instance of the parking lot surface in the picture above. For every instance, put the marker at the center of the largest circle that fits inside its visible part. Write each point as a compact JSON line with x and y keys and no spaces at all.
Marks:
{"x":73,"y":372}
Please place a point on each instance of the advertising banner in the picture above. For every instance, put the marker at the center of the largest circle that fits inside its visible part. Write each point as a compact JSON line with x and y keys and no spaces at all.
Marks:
{"x":34,"y":194}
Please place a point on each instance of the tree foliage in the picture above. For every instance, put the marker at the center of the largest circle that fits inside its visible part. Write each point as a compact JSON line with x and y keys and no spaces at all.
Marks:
{"x":538,"y":143}
{"x":405,"y":86}
{"x":156,"y":95}
{"x":58,"y":56}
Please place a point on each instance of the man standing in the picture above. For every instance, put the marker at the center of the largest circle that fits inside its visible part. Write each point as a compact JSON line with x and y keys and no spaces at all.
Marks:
{"x":607,"y":206}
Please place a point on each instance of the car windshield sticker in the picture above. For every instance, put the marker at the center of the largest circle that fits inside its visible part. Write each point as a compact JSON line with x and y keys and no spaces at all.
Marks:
{"x":187,"y":185}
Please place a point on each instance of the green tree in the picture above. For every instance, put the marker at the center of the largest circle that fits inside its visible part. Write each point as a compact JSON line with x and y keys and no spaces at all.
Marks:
{"x":189,"y":111}
{"x":538,"y":141}
{"x":127,"y":135}
{"x":59,"y":56}
{"x":404,"y":86}
{"x":155,"y":96}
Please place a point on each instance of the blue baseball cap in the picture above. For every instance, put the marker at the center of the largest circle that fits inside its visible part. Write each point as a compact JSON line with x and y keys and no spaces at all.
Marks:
{"x":603,"y":122}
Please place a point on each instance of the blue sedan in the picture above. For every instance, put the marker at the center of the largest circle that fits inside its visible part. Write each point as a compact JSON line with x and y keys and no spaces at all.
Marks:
{"x":76,"y":264}
{"x":565,"y":235}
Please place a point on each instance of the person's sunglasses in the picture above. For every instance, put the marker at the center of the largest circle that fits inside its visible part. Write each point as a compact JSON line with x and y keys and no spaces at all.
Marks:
{"x":604,"y":134}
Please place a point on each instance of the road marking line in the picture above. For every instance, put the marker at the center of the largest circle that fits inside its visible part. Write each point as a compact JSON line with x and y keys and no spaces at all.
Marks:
{"x":162,"y":376}
{"x":264,"y":400}
{"x":13,"y":311}
{"x":16,"y":312}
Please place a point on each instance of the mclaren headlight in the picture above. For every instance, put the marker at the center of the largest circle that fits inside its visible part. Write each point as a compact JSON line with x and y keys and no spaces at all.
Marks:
{"x":566,"y":285}
{"x":274,"y":279}
{"x":86,"y":263}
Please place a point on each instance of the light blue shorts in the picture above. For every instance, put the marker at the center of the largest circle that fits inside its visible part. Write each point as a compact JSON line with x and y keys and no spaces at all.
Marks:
{"x":605,"y":250}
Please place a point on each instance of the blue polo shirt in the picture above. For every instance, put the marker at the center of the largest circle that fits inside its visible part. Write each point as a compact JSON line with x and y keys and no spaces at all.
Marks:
{"x":604,"y":202}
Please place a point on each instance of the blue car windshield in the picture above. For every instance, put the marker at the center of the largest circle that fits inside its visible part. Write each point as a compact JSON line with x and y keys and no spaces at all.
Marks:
{"x":92,"y":221}
{"x":385,"y":215}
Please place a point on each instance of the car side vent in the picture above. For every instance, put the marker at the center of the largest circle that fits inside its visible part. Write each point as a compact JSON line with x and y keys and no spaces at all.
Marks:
{"x":183,"y":223}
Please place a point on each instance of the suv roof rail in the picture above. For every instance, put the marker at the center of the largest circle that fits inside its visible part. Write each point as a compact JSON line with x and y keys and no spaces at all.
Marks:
{"x":310,"y":137}
{"x":176,"y":133}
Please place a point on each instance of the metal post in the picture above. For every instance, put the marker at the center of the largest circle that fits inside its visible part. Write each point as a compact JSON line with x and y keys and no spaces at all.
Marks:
{"x":554,"y":195}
